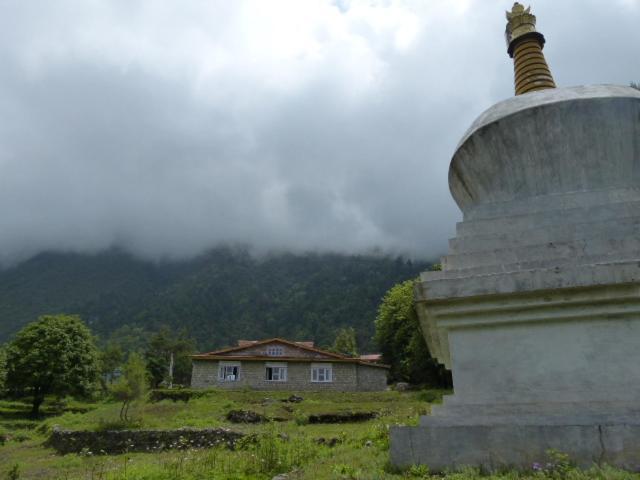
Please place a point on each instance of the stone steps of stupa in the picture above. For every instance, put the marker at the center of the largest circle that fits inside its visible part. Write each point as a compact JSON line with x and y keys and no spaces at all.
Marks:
{"x":549,"y":218}
{"x":555,"y":263}
{"x":567,"y":232}
{"x":560,"y":276}
{"x":600,"y":244}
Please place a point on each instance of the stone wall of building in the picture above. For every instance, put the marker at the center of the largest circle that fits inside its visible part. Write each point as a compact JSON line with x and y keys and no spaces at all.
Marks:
{"x":371,"y":379}
{"x":346,"y":377}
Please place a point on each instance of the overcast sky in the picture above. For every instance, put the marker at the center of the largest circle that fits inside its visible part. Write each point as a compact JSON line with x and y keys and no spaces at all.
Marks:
{"x":168,"y":127}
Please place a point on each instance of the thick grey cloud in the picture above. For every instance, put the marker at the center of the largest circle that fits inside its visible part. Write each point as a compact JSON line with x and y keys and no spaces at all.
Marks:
{"x":165,"y":128}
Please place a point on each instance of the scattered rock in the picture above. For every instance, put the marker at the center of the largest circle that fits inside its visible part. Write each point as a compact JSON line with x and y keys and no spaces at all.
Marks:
{"x":283,"y":437}
{"x":329,"y":442}
{"x":293,"y":399}
{"x":368,"y":443}
{"x":287,"y":408}
{"x":282,"y":476}
{"x":245,"y":416}
{"x":402,"y":386}
{"x":342,"y":417}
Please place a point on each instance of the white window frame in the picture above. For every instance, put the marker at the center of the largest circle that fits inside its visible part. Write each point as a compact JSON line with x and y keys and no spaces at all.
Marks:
{"x":222,"y":371}
{"x":321,"y":373}
{"x":275,"y":351}
{"x":280,"y":368}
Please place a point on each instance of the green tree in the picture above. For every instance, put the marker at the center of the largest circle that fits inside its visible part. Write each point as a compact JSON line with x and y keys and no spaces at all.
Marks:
{"x":111,"y":358}
{"x":3,"y":369}
{"x":169,"y":357}
{"x":345,"y":342}
{"x":402,"y":343}
{"x":132,"y":385}
{"x":129,"y":338}
{"x":54,"y":355}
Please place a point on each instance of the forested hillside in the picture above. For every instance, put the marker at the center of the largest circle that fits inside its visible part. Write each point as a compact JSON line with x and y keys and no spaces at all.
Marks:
{"x":219,"y":297}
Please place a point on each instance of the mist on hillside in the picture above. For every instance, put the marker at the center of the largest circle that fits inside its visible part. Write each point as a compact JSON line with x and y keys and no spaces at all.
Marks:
{"x":166,"y":129}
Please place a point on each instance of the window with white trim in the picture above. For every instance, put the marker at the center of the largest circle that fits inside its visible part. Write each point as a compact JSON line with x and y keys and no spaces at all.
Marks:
{"x":229,"y":372}
{"x":321,"y":373}
{"x":275,"y":351}
{"x":276,"y":372}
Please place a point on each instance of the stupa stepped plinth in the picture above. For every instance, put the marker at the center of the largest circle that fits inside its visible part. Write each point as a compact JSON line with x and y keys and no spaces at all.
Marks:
{"x":537,"y":308}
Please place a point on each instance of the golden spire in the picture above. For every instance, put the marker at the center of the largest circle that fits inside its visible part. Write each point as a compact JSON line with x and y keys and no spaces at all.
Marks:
{"x":524,"y":45}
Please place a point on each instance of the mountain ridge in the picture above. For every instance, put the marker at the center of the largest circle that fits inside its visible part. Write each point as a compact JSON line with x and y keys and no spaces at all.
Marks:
{"x":217,"y":297}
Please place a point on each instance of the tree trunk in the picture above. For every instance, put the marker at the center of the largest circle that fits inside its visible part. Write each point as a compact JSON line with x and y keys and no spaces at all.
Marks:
{"x":171,"y":371}
{"x":38,"y":399}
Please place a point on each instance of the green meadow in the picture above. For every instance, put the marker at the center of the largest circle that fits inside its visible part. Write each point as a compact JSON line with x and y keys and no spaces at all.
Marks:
{"x":290,"y":445}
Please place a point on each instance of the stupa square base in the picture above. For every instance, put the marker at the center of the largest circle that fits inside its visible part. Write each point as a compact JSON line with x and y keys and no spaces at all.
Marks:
{"x":534,"y":371}
{"x":495,"y":447}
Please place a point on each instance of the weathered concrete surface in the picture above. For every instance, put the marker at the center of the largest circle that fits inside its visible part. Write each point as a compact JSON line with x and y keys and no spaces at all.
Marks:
{"x":537,"y":308}
{"x":552,"y":141}
{"x":497,"y":447}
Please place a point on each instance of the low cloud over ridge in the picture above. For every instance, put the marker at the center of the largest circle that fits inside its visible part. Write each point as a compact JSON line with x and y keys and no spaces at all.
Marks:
{"x":167,"y":128}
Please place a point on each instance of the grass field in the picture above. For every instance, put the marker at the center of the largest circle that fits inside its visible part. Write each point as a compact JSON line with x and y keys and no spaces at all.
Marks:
{"x":304,"y":451}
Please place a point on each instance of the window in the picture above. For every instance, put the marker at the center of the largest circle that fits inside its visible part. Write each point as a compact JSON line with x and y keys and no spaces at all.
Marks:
{"x":274,"y":351}
{"x":229,"y":372}
{"x":276,"y":372}
{"x":321,"y":373}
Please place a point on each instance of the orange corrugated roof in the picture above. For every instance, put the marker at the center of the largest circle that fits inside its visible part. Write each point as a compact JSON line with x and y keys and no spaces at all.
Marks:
{"x":371,"y":357}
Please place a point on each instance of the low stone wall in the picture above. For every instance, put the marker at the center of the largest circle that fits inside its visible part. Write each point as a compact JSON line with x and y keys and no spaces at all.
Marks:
{"x":121,"y":441}
{"x":342,"y":417}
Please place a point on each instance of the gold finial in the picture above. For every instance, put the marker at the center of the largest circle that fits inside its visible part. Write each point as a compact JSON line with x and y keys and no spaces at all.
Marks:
{"x":524,"y":45}
{"x":519,"y":22}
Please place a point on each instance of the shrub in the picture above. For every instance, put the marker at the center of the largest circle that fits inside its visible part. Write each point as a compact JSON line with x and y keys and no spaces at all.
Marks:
{"x":118,"y":424}
{"x":346,"y":472}
{"x":179,"y":394}
{"x":301,"y":419}
{"x":557,"y":466}
{"x":429,"y":396}
{"x":420,"y":471}
{"x":14,"y":472}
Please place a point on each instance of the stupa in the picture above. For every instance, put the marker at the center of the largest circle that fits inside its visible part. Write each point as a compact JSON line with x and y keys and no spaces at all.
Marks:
{"x":537,"y":308}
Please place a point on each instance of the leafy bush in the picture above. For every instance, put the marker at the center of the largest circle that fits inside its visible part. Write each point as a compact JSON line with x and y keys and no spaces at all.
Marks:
{"x":14,"y":473}
{"x":346,"y":472}
{"x":429,"y":396}
{"x":557,"y":466}
{"x":107,"y":425}
{"x":274,"y":453}
{"x":301,"y":419}
{"x":420,"y":471}
{"x":179,"y":394}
